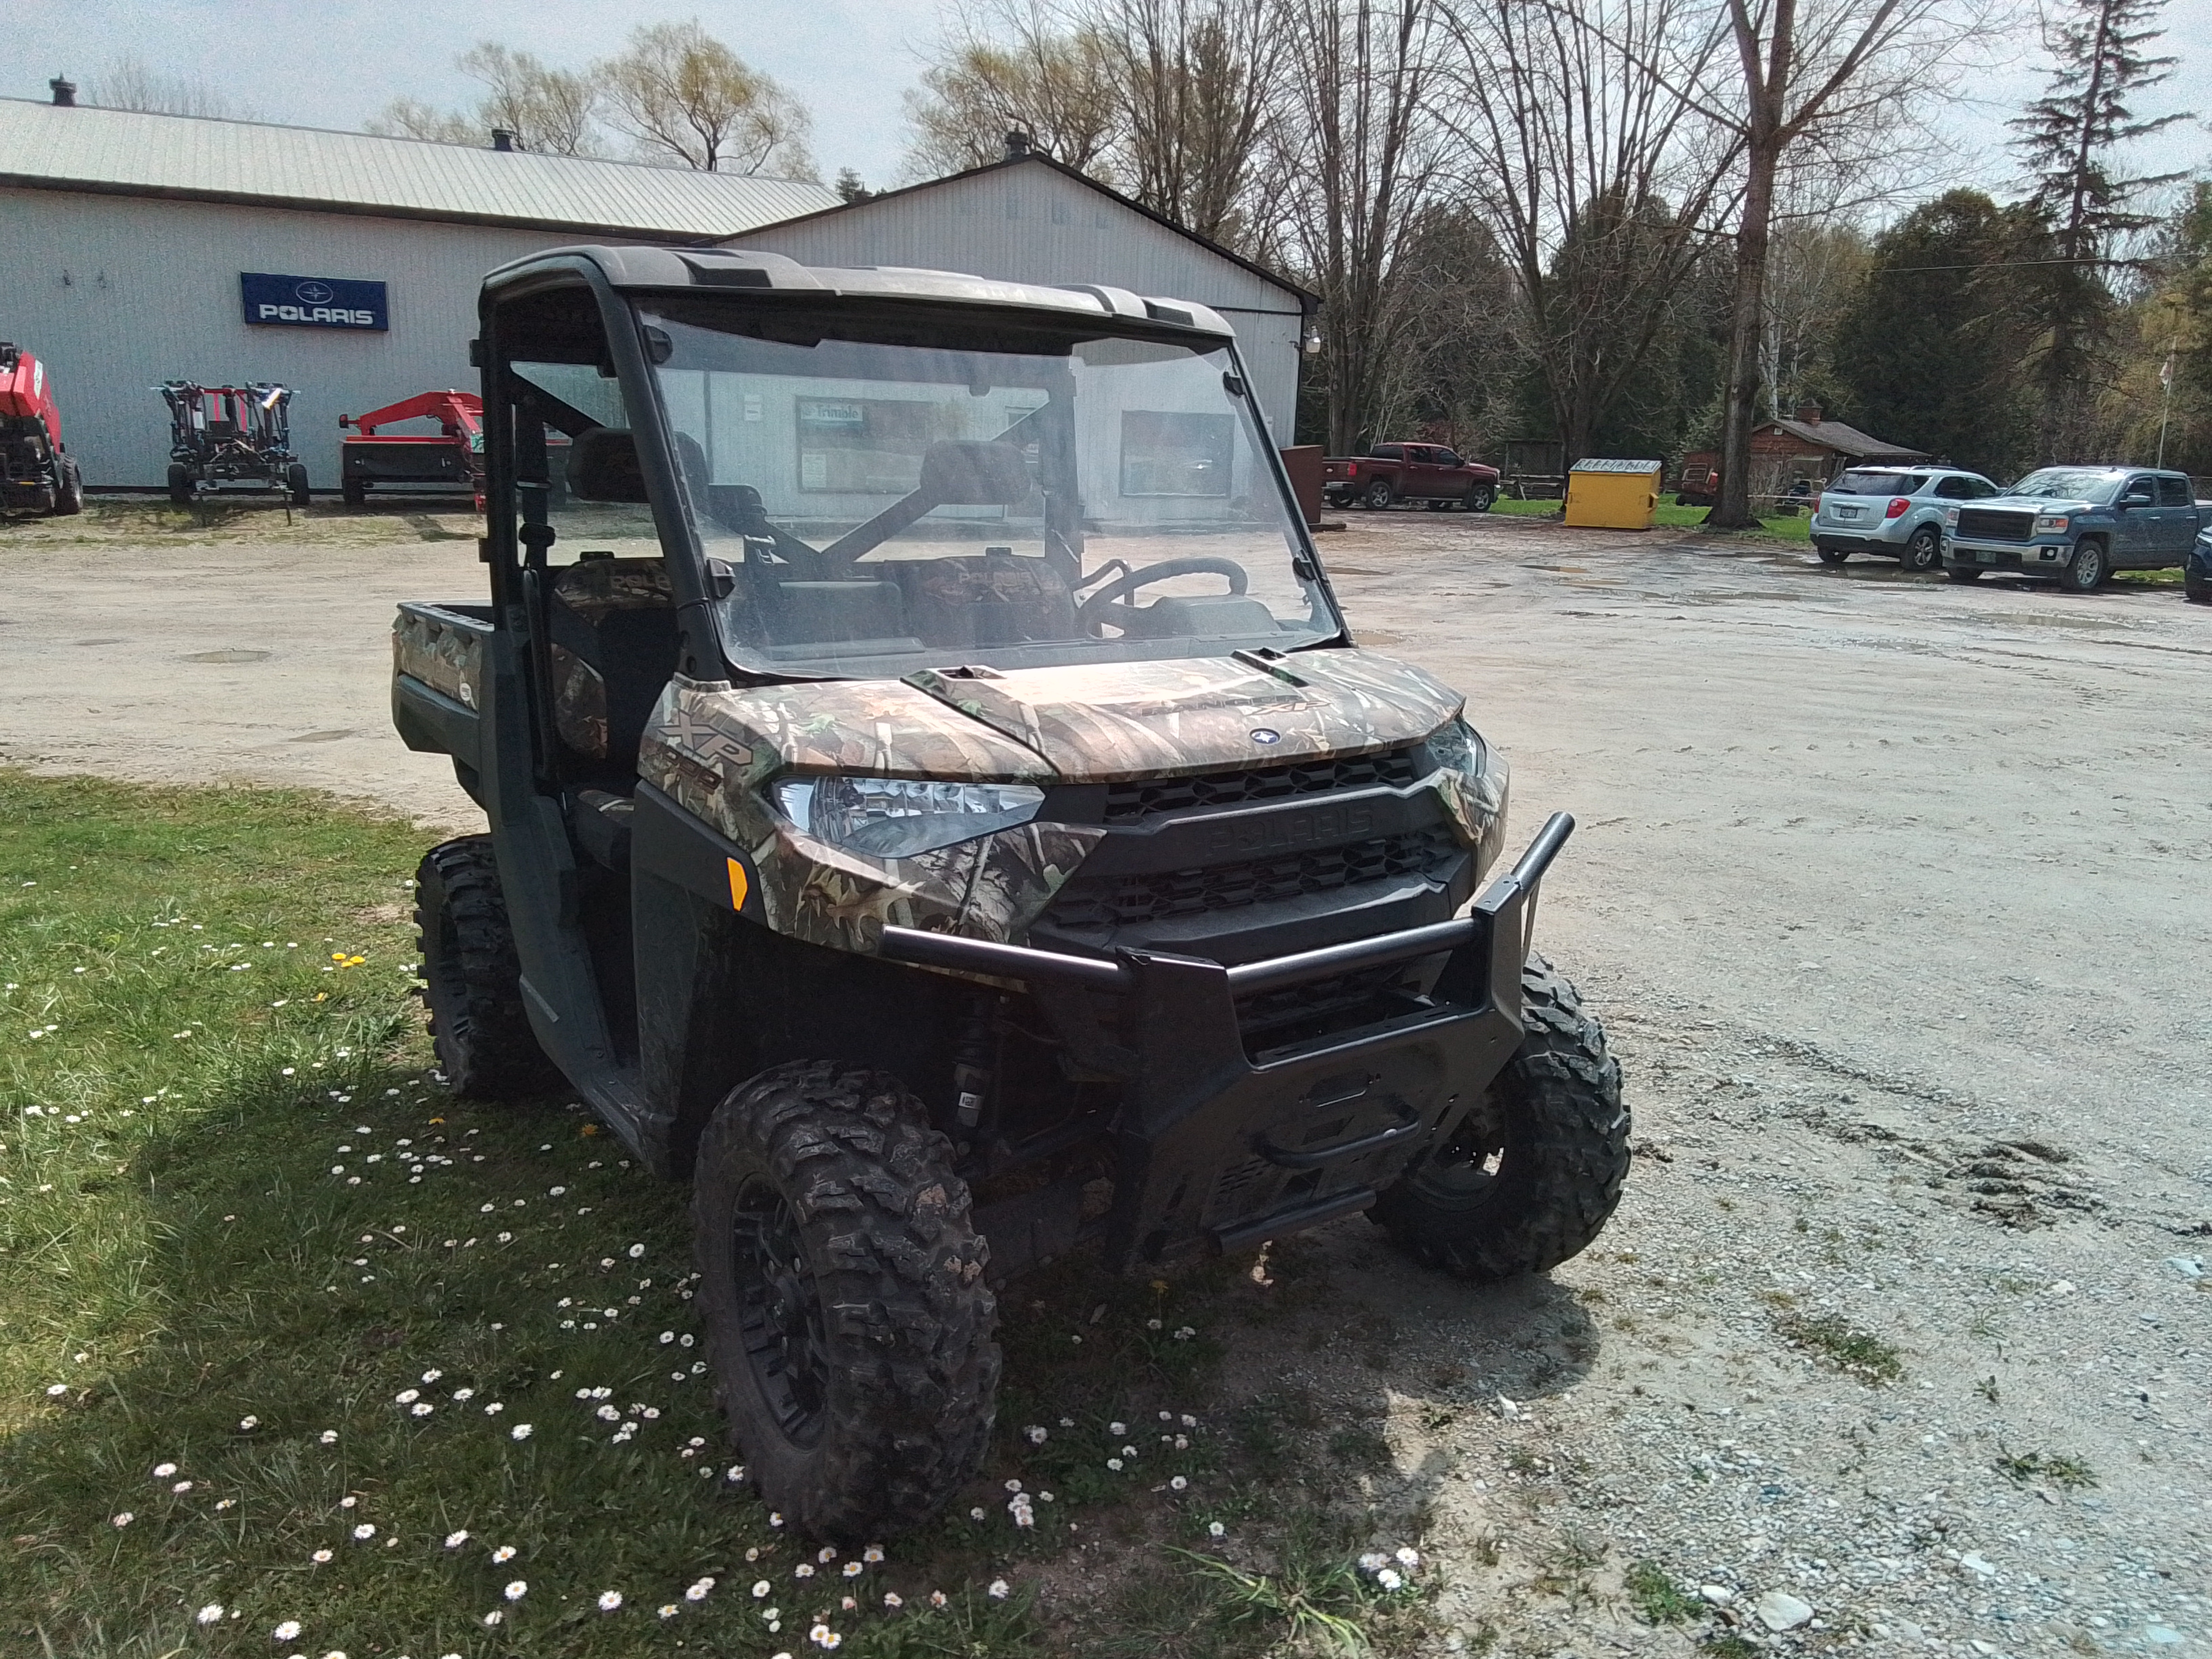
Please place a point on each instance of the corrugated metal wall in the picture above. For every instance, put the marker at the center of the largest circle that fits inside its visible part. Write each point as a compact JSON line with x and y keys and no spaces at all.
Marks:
{"x":1032,"y":224}
{"x":117,"y":294}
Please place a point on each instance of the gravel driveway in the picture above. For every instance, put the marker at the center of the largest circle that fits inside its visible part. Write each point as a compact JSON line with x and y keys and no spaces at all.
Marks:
{"x":1897,"y":898}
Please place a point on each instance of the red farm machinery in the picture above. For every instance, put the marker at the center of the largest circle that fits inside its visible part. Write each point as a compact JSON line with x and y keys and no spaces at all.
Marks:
{"x":37,"y":475}
{"x":451,"y":456}
{"x":226,"y":437}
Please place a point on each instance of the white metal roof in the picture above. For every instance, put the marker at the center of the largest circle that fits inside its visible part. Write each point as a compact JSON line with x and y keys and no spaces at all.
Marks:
{"x":125,"y":152}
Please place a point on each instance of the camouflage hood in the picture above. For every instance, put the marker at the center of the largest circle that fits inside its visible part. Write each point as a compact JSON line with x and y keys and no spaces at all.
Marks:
{"x":716,"y":749}
{"x":1089,"y":723}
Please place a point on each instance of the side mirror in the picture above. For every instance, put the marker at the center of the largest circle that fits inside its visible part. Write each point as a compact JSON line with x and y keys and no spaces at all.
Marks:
{"x":2135,"y":498}
{"x":956,"y":473}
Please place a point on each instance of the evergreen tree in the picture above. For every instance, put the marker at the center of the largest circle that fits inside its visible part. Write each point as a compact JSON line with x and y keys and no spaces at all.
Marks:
{"x":1928,"y":352}
{"x":2070,"y":138}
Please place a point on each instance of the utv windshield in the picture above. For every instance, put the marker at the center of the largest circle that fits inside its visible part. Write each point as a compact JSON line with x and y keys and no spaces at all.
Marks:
{"x":2068,"y":483}
{"x":949,"y":493}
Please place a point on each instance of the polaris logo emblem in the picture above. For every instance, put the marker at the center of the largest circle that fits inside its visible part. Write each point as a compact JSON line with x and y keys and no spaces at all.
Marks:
{"x":1267,"y":735}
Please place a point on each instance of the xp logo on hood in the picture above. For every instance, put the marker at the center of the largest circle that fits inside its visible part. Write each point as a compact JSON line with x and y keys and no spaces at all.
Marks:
{"x":1265,"y":734}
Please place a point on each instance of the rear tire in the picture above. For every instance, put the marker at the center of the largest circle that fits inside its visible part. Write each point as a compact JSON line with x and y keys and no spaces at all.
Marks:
{"x":1922,"y":550}
{"x":354,"y":491}
{"x":1379,"y":496}
{"x":1832,"y":555}
{"x":69,"y":500}
{"x":842,"y":1289}
{"x":1534,"y":1172}
{"x":471,"y":978}
{"x":2089,"y":569}
{"x":180,"y":486}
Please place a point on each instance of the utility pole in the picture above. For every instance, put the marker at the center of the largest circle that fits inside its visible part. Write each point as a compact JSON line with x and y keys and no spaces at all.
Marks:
{"x":2166,"y":410}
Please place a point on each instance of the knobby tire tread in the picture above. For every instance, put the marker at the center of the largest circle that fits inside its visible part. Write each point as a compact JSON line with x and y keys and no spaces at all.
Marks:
{"x":478,"y":1026}
{"x":1567,"y":1150}
{"x":912,"y":1360}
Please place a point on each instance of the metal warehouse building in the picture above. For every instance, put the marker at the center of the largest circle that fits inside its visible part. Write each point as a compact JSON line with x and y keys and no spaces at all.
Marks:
{"x":137,"y":248}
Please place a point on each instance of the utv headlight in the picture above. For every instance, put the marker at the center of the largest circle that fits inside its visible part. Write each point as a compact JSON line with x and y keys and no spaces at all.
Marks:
{"x":897,"y":817}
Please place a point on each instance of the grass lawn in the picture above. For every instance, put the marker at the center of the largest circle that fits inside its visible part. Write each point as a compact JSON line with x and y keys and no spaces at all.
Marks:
{"x":301,"y":1355}
{"x":1794,"y":527}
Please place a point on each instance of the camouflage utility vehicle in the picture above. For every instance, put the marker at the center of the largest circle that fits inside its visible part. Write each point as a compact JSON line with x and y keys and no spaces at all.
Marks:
{"x":938,"y":809}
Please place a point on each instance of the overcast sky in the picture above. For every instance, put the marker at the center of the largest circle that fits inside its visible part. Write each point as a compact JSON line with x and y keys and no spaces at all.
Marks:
{"x":334,"y":62}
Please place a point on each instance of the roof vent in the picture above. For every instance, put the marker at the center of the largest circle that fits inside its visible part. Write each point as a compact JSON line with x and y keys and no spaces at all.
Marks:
{"x":65,"y":93}
{"x":1018,"y":142}
{"x":502,"y":138}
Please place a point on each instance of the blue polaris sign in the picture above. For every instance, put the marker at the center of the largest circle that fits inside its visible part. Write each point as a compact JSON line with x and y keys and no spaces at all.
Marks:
{"x":312,"y":302}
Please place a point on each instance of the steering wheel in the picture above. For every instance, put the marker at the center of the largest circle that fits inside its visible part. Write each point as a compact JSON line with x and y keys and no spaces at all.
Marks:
{"x":1099,"y":607}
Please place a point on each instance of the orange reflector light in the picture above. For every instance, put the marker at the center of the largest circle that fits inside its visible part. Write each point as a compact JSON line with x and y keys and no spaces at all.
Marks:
{"x":738,"y":886}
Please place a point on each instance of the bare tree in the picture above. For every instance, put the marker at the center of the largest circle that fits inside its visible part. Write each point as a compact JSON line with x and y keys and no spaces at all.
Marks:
{"x":128,"y":84}
{"x":1200,"y":79}
{"x":551,"y":110}
{"x":1802,"y":70}
{"x":1815,"y":268}
{"x":548,"y":110}
{"x":1603,"y":182}
{"x":411,"y":117}
{"x":1016,"y":66}
{"x":1356,"y":157}
{"x":686,"y":100}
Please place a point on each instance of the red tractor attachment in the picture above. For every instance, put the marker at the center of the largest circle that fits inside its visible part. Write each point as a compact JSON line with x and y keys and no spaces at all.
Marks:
{"x":453,"y":456}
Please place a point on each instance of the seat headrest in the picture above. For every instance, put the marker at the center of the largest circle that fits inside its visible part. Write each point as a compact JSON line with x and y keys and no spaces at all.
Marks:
{"x":603,"y":465}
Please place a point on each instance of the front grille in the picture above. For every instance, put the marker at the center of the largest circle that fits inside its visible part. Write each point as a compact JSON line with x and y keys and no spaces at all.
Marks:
{"x":1124,"y":901}
{"x":1981,"y":521}
{"x":1133,"y":803}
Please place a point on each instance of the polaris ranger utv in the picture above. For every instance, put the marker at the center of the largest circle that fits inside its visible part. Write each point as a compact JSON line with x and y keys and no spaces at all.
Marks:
{"x":936,"y":809}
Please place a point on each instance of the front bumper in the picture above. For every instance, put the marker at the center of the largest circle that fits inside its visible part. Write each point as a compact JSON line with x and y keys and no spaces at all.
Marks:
{"x":2029,"y":558}
{"x":1220,"y":1145}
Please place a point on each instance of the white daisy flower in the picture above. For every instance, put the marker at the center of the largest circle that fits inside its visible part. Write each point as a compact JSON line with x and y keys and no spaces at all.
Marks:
{"x":364,"y":1532}
{"x":163,"y":1471}
{"x":504,"y":1552}
{"x":1215,"y":1530}
{"x":1388,"y":1578}
{"x":609,"y":1599}
{"x":520,"y":1431}
{"x":125,"y":1518}
{"x":516,"y":1589}
{"x":455,"y":1540}
{"x":287,"y":1631}
{"x":211,"y":1613}
{"x":1000,"y":1590}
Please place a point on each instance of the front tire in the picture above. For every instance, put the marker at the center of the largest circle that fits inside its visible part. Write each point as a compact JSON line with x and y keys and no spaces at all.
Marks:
{"x":842,"y":1289}
{"x":471,"y":978}
{"x":2088,"y":570}
{"x":69,"y":499}
{"x":1962,"y":572}
{"x":352,"y":491}
{"x":1379,"y":496}
{"x":1922,"y":550}
{"x":295,"y":482}
{"x":1482,"y":498}
{"x":180,"y":486}
{"x":2196,"y":589}
{"x":1534,"y":1173}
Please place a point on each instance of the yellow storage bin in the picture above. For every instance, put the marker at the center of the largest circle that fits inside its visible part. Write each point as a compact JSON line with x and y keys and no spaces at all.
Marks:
{"x":1614,"y":495}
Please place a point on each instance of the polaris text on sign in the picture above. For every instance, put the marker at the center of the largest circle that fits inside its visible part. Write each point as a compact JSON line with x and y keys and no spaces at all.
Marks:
{"x":312,"y":302}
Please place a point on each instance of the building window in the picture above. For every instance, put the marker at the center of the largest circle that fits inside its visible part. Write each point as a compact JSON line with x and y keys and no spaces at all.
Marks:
{"x":1165,"y":453}
{"x":866,"y":446}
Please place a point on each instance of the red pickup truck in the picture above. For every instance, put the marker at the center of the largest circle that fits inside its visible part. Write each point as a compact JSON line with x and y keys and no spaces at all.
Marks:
{"x":1390,"y":473}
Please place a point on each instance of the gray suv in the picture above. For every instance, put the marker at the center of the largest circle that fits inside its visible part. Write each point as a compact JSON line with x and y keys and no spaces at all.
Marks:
{"x":1894,"y":511}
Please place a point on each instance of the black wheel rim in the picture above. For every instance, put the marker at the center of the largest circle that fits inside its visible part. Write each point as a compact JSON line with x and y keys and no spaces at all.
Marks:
{"x":780,"y":1316}
{"x":1463,"y":1173}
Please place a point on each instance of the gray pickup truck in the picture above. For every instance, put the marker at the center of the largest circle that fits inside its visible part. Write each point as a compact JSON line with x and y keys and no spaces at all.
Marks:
{"x":2076,"y":525}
